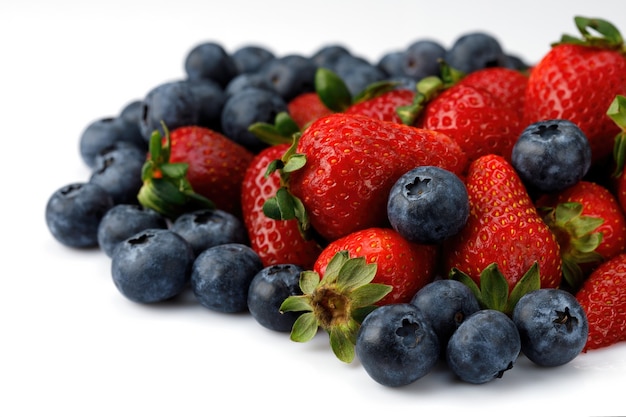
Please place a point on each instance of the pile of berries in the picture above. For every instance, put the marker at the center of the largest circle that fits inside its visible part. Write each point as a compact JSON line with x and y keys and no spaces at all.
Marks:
{"x":440,"y":204}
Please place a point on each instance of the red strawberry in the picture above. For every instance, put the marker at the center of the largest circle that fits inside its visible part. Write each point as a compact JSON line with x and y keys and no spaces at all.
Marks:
{"x":505,"y":84}
{"x":275,"y":241}
{"x":405,"y":266}
{"x":306,"y":108}
{"x":603,"y":297}
{"x":216,"y":164}
{"x":577,"y":80}
{"x":504,"y":228}
{"x":384,"y":106}
{"x":350,"y":162}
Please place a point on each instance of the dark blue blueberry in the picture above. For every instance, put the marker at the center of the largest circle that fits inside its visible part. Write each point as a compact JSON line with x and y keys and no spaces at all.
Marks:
{"x":397,"y":345}
{"x":118,"y":171}
{"x":151,"y":266}
{"x":290,"y":75}
{"x":357,"y":73}
{"x":421,"y":59}
{"x":221,"y":277}
{"x":210,"y":61}
{"x":123,"y":221}
{"x":516,"y":63}
{"x":474,"y":51}
{"x":328,"y":55}
{"x":209,"y":100}
{"x":392,"y":63}
{"x":485,"y":345}
{"x":207,"y":228}
{"x":131,"y":112}
{"x":172,"y":103}
{"x":247,"y":80}
{"x":551,"y":155}
{"x":249,"y":58}
{"x":268,"y":289}
{"x":553,"y":326}
{"x":446,"y":303}
{"x":74,"y":212}
{"x":131,"y":115}
{"x":428,"y":205}
{"x":104,"y":133}
{"x":246,"y":107}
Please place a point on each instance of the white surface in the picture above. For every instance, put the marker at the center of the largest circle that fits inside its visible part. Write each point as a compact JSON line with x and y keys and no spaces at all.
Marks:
{"x":73,"y":346}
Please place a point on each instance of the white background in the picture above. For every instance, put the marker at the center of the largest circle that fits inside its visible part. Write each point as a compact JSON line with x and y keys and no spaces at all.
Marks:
{"x":73,"y":346}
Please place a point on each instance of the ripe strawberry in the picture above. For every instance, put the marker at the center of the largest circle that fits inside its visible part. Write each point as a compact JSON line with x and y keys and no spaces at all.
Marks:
{"x":405,"y":266}
{"x":603,"y":297}
{"x":216,"y":164}
{"x":306,"y":108}
{"x":504,"y":228}
{"x":384,"y":106}
{"x":577,"y":80}
{"x":275,"y":241}
{"x":348,"y":164}
{"x":505,"y":84}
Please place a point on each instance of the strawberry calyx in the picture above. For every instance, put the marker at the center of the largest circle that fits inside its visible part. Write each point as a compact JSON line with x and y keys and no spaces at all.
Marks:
{"x":577,"y":239}
{"x":336,"y":303}
{"x":281,"y":131}
{"x":617,"y":112}
{"x":165,"y":187}
{"x":597,"y":33}
{"x":492,"y":289}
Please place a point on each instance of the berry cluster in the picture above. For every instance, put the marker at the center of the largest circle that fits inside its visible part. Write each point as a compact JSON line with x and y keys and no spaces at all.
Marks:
{"x":449,"y":204}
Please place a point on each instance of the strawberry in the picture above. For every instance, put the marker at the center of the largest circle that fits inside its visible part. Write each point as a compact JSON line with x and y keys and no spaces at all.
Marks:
{"x":603,"y":297}
{"x":345,"y":165}
{"x":216,"y":164}
{"x":577,"y":79}
{"x":403,"y":265}
{"x":589,"y":224}
{"x":504,"y":228}
{"x":384,"y":106}
{"x":275,"y":241}
{"x":306,"y":108}
{"x":505,"y":84}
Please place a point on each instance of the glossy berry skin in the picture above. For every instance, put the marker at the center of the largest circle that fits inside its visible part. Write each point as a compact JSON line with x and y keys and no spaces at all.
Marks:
{"x":603,"y":297}
{"x":404,"y":265}
{"x":384,"y":106}
{"x":74,"y":211}
{"x":485,"y":345}
{"x":551,"y":155}
{"x":209,"y":60}
{"x":123,"y":221}
{"x":118,"y":171}
{"x":446,"y":304}
{"x":306,"y":108}
{"x":474,"y":51}
{"x":151,"y":266}
{"x":553,"y":326}
{"x":428,"y":205}
{"x":206,"y":228}
{"x":506,"y":85}
{"x":221,"y":277}
{"x":290,"y":75}
{"x":421,"y":59}
{"x":268,"y":289}
{"x":172,"y":103}
{"x":396,"y":345}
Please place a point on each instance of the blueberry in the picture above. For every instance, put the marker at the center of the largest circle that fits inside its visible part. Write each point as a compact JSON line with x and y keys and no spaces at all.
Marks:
{"x":551,"y":155}
{"x":249,"y":58}
{"x":207,"y":228}
{"x":73,"y":213}
{"x":104,"y":133}
{"x":131,"y":112}
{"x":221,"y":277}
{"x":552,"y":324}
{"x":118,"y":171}
{"x":446,"y":304}
{"x":151,"y":266}
{"x":357,"y":73}
{"x":246,"y":107}
{"x":123,"y":221}
{"x":328,"y":55}
{"x":268,"y":289}
{"x":396,"y":345}
{"x":209,"y":100}
{"x":247,"y":80}
{"x":290,"y":75}
{"x":172,"y":103}
{"x":421,"y":59}
{"x":209,"y":60}
{"x":485,"y":345}
{"x":392,"y":63}
{"x":428,"y":205}
{"x":474,"y":51}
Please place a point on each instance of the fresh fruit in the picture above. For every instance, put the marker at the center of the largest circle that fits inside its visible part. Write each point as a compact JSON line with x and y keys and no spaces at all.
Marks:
{"x":403,"y":265}
{"x":421,"y":59}
{"x":505,"y":84}
{"x":561,"y":84}
{"x":553,"y":326}
{"x":152,"y":265}
{"x":345,"y":166}
{"x":105,"y":133}
{"x":74,"y":211}
{"x":551,"y":155}
{"x":306,"y":108}
{"x":428,"y":205}
{"x":603,"y":297}
{"x":275,"y":241}
{"x":474,"y":51}
{"x":118,"y":171}
{"x":504,"y":228}
{"x":268,"y":289}
{"x":383,"y":106}
{"x":221,"y":277}
{"x":484,"y":347}
{"x":210,"y":61}
{"x":249,"y":58}
{"x":397,"y":345}
{"x":290,"y":75}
